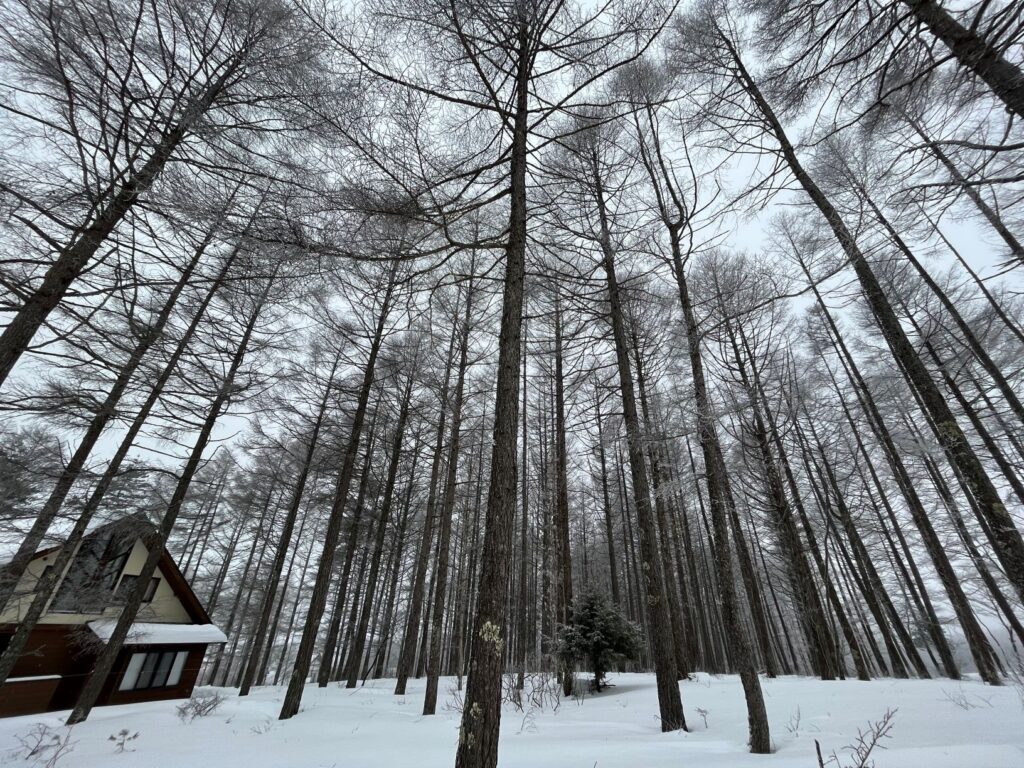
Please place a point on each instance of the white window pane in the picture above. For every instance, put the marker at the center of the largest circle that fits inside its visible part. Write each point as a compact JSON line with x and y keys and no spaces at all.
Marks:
{"x":163,"y":667}
{"x":146,"y":673}
{"x":131,"y":675}
{"x":179,"y":664}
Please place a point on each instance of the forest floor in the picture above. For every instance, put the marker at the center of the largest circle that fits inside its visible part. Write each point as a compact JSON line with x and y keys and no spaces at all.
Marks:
{"x":937,"y":724}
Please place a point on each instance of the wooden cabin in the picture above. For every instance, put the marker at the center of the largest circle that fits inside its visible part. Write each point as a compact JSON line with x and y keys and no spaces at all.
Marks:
{"x":162,"y":655}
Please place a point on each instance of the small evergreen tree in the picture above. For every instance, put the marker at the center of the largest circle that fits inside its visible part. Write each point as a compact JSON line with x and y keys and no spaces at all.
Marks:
{"x":597,"y":635}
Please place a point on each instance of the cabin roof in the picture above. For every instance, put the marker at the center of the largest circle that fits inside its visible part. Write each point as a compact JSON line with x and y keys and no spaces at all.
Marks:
{"x":155,"y":633}
{"x":139,"y":526}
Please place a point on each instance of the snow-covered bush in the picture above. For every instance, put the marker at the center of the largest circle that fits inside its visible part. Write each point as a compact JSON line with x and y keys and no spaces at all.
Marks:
{"x":43,"y":745}
{"x":201,"y":704}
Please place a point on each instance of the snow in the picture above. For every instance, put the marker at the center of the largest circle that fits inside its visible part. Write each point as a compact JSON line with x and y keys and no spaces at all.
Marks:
{"x":151,"y":633}
{"x":30,"y":678}
{"x":939,"y":724}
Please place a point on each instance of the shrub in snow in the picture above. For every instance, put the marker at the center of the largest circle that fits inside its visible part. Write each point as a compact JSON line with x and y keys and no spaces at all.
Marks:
{"x":44,"y":746}
{"x":122,"y":739}
{"x":540,"y":691}
{"x":200,"y":705}
{"x":859,"y":752}
{"x":597,"y":636}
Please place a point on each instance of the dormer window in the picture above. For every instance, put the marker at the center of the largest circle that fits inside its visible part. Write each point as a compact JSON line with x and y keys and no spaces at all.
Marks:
{"x":89,"y":583}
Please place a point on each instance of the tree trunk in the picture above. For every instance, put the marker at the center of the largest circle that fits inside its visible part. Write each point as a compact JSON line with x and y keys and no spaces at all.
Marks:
{"x":659,"y":623}
{"x":481,"y":714}
{"x":720,"y":501}
{"x":524,"y":492}
{"x":973,"y":53}
{"x":1006,"y":538}
{"x":563,"y":555}
{"x":384,"y":515}
{"x":156,"y":539}
{"x":318,"y":598}
{"x":447,"y":511}
{"x":607,"y":506}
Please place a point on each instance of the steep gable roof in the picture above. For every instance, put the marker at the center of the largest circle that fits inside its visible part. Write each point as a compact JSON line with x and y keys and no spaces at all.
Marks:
{"x":138,"y":526}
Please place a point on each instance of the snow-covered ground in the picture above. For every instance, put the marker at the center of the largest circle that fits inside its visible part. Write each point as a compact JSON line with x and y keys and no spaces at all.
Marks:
{"x":938,"y":724}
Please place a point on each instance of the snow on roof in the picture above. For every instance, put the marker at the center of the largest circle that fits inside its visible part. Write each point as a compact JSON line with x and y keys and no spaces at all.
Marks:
{"x":151,"y":633}
{"x":32,"y":678}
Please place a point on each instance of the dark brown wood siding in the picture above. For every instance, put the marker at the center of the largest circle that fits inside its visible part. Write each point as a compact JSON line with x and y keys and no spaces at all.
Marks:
{"x":29,"y":697}
{"x":182,"y":690}
{"x":68,"y":651}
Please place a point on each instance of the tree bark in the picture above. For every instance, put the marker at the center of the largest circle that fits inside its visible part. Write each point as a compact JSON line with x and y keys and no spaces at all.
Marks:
{"x":973,"y":53}
{"x":481,"y":714}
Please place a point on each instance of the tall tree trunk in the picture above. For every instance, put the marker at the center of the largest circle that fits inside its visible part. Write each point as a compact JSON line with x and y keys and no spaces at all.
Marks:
{"x":563,"y":554}
{"x":156,"y":539}
{"x":720,"y":500}
{"x":658,"y":620}
{"x":270,"y":592}
{"x":481,"y":714}
{"x":318,"y":598}
{"x":1006,"y":538}
{"x":973,"y":53}
{"x":282,"y":599}
{"x":524,"y":493}
{"x":875,"y":594}
{"x":447,"y":512}
{"x":384,"y":516}
{"x":607,"y":507}
{"x":216,"y":678}
{"x":474,"y":527}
